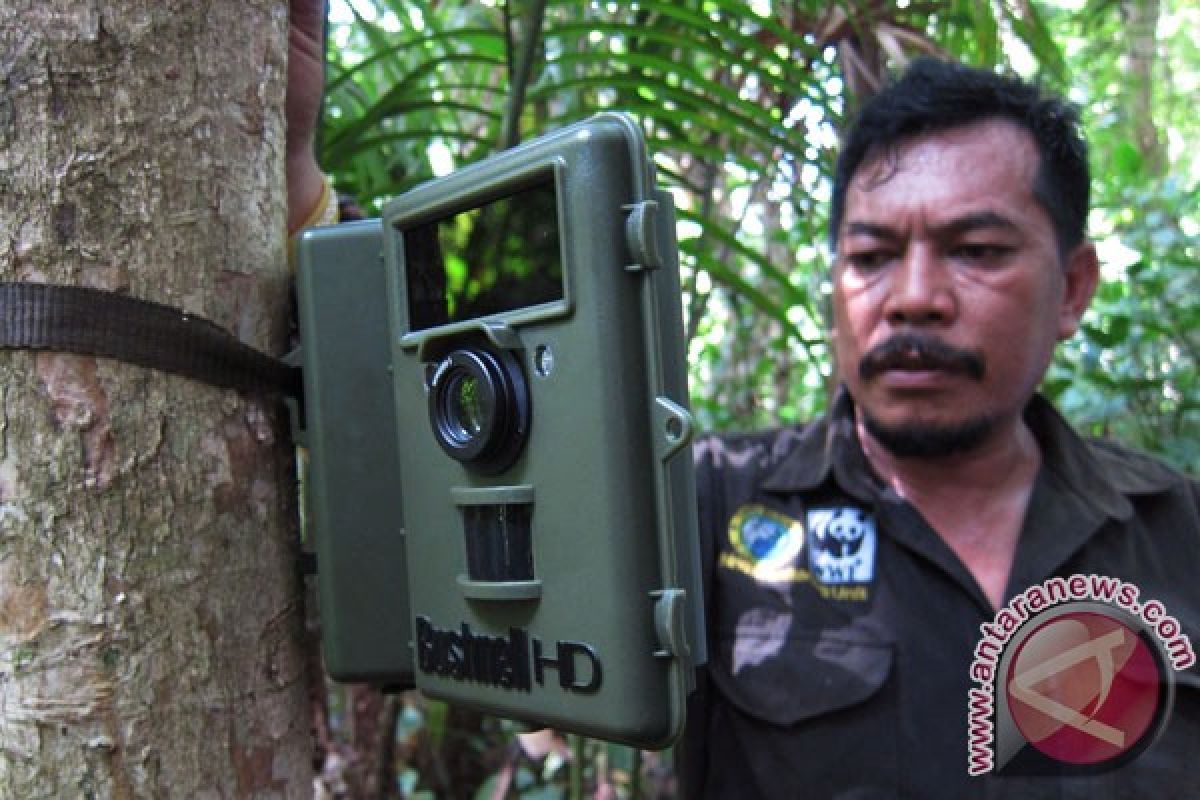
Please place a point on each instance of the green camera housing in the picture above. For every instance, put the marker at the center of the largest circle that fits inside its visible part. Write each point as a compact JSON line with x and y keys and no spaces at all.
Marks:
{"x":519,"y":534}
{"x":351,"y":465}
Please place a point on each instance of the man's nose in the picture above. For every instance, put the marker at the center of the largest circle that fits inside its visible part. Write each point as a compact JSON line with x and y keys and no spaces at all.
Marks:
{"x":921,"y":291}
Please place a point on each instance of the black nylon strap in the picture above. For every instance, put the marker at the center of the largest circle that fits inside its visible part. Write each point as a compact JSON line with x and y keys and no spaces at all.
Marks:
{"x":75,"y":319}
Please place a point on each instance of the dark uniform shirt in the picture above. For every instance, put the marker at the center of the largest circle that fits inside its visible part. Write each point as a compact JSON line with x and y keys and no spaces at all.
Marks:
{"x":842,"y":629}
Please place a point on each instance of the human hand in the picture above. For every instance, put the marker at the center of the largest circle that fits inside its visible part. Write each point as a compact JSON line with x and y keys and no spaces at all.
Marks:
{"x":305,"y":84}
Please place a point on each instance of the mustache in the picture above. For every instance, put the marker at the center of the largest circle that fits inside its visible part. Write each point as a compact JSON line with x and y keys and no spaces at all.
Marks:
{"x":920,"y":352}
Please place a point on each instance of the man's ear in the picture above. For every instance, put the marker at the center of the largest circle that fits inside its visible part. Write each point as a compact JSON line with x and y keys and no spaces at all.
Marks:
{"x":1081,"y":274}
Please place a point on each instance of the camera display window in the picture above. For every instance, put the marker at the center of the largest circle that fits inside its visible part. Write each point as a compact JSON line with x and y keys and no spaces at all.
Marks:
{"x":502,"y":256}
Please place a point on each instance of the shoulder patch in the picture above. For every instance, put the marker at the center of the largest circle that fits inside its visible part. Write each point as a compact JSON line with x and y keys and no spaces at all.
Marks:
{"x":842,"y":545}
{"x":766,"y":537}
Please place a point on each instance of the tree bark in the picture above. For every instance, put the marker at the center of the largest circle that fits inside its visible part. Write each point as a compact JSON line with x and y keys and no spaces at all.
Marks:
{"x":150,"y":620}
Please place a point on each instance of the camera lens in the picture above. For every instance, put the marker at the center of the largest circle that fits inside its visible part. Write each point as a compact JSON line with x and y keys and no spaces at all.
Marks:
{"x":479,"y":408}
{"x":465,"y":406}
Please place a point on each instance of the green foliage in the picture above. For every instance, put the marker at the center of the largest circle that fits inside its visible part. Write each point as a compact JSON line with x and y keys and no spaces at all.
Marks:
{"x":1131,"y":373}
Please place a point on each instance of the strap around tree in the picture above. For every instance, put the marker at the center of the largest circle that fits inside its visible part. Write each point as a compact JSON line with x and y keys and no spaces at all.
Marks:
{"x":95,"y":322}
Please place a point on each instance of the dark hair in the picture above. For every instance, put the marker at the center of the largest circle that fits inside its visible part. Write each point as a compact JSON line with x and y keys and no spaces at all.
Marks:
{"x":934,"y":95}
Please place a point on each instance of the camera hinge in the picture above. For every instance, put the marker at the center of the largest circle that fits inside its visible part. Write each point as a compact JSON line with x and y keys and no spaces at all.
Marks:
{"x":670,"y":611}
{"x":642,"y":235}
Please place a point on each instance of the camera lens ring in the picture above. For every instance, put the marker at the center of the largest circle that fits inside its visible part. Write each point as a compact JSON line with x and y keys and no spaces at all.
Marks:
{"x":479,"y":408}
{"x":464,"y":440}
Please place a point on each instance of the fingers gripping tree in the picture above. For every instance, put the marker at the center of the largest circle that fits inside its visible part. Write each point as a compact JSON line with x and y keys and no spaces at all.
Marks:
{"x":150,"y":626}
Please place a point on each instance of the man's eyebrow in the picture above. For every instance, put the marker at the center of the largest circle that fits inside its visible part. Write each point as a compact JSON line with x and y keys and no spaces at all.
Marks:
{"x":975,"y":221}
{"x":958,"y":225}
{"x":871,"y":229}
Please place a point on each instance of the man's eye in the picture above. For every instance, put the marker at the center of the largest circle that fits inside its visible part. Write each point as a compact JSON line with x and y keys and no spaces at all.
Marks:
{"x":981,"y":253}
{"x":868,"y":260}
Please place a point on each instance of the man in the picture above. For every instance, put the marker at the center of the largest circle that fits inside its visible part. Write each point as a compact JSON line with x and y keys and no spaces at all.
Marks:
{"x":851,"y":564}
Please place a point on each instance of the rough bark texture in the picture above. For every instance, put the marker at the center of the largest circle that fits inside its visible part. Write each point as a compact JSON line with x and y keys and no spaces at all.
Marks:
{"x":150,"y":621}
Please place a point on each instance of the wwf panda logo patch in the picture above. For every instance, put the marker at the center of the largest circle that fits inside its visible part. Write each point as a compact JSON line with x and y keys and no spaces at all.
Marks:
{"x":841,"y":545}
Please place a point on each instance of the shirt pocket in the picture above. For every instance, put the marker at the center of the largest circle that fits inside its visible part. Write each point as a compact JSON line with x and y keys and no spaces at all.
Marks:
{"x":813,"y":714}
{"x":803,"y":674}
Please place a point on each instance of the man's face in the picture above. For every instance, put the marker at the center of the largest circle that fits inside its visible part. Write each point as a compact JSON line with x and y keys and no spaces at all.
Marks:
{"x":949,"y":292}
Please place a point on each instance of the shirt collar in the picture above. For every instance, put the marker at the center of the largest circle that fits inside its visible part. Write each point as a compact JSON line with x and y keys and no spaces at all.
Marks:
{"x":828,"y":450}
{"x":1100,"y":474}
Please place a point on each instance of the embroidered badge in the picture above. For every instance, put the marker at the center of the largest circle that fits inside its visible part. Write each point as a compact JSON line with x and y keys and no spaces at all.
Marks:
{"x":841,"y":548}
{"x":766,"y":544}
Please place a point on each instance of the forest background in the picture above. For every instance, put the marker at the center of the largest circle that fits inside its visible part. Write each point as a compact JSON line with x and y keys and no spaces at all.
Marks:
{"x":742,"y":103}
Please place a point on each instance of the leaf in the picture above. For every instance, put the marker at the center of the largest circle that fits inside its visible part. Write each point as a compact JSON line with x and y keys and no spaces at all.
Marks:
{"x":1032,"y":30}
{"x":1127,"y":160}
{"x":1114,"y":331}
{"x":987,"y":31}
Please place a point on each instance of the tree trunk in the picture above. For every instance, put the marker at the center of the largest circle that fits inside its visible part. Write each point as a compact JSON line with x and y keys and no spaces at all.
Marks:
{"x":1142,"y":47}
{"x":150,"y":621}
